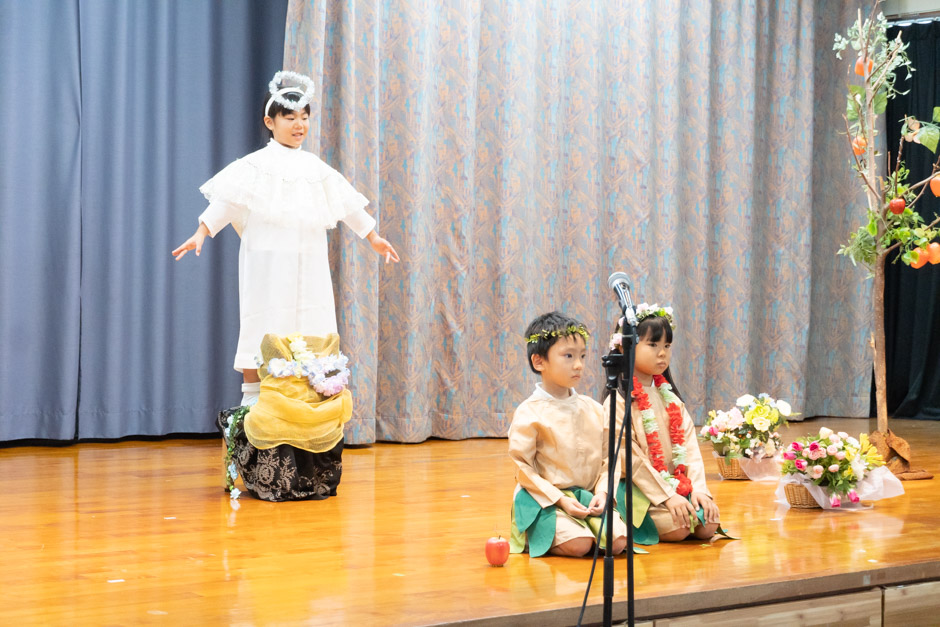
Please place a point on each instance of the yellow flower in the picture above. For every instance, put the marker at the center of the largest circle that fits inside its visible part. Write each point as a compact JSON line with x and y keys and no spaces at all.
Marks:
{"x":759,"y":411}
{"x":849,"y":473}
{"x":761,"y":423}
{"x":774,"y":416}
{"x":869,"y":452}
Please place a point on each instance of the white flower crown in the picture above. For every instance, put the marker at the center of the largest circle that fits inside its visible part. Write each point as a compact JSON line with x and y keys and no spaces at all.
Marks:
{"x":643,"y":311}
{"x":304,"y":86}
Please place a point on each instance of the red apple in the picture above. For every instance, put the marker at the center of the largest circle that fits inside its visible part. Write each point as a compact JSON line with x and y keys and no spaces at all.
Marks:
{"x":897,"y":206}
{"x":921,"y":258}
{"x":933,"y":253}
{"x":497,"y":551}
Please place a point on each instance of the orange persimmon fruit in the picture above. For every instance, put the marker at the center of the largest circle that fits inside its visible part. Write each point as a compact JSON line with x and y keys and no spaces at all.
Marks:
{"x":860,"y":66}
{"x":933,"y":253}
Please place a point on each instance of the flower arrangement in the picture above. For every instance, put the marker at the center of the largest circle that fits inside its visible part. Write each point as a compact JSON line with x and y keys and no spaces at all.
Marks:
{"x":833,"y":461}
{"x":749,"y":429}
{"x":328,"y":375}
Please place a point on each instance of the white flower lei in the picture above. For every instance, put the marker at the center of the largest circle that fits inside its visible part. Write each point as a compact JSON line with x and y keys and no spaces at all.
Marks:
{"x":648,"y":416}
{"x":328,"y":374}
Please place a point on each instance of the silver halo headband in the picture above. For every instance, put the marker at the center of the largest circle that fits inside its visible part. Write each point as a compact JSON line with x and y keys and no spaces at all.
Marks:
{"x":305,"y":89}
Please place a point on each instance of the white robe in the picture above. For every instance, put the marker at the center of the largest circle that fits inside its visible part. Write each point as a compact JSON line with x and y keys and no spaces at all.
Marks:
{"x":281,"y":201}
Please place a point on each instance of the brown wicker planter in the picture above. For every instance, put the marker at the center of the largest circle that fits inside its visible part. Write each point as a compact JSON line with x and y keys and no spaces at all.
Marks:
{"x":798,"y":496}
{"x":730,"y":468}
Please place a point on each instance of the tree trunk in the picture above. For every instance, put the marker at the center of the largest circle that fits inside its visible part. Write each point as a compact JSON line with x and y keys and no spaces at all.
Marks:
{"x":878,"y":344}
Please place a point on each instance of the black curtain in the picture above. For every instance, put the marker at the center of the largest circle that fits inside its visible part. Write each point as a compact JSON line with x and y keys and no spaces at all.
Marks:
{"x":912,"y":309}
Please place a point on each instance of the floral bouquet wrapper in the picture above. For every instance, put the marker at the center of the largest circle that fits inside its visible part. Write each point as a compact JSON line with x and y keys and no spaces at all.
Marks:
{"x":879,"y":484}
{"x":838,"y":470}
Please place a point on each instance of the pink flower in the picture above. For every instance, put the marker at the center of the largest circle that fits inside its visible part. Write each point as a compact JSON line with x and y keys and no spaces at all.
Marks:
{"x":789,"y":455}
{"x":832,"y":449}
{"x":813,"y":446}
{"x":840,"y":455}
{"x":835,"y":501}
{"x":800,"y":464}
{"x":796,"y":446}
{"x":853,"y":496}
{"x":818,"y":471}
{"x":834,"y":468}
{"x":713,"y":430}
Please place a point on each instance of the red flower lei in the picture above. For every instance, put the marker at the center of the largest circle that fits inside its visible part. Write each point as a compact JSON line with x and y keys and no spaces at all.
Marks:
{"x":676,"y":434}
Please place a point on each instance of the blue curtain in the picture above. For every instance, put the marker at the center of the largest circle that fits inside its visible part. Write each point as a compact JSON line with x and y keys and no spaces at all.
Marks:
{"x":40,"y":218}
{"x":117,"y":112}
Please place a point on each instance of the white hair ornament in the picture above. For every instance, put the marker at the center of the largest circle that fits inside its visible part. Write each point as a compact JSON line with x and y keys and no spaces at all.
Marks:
{"x":303,"y":86}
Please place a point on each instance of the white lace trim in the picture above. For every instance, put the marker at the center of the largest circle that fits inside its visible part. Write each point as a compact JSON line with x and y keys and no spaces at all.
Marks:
{"x":286,"y":187}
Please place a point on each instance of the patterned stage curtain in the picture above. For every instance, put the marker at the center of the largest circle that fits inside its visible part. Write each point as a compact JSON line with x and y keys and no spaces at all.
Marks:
{"x":517,"y":153}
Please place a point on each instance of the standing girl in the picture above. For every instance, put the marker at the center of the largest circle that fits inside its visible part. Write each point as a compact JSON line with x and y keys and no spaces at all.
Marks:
{"x":281,"y":200}
{"x":667,"y":463}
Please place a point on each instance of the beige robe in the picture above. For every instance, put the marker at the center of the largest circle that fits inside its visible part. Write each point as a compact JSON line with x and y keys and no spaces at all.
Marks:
{"x":645,"y":477}
{"x":558,"y":444}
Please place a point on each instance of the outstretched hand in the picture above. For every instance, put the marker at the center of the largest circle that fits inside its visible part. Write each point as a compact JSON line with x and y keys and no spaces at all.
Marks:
{"x":193,"y":243}
{"x":383,"y":247}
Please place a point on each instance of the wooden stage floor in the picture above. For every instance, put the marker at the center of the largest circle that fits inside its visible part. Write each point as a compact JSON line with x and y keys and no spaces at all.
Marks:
{"x":142,"y":532}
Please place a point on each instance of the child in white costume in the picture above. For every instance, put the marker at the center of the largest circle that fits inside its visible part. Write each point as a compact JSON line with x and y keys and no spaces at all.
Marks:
{"x":281,"y":200}
{"x":558,"y":441}
{"x":667,"y":463}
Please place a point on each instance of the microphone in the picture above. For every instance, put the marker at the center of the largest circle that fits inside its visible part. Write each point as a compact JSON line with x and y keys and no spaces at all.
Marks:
{"x":619,"y":282}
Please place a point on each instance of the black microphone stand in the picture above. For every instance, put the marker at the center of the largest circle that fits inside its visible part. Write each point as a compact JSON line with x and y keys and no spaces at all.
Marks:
{"x":619,"y":367}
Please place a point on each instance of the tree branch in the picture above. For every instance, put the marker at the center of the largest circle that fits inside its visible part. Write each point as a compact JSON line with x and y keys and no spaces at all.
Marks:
{"x":858,"y":164}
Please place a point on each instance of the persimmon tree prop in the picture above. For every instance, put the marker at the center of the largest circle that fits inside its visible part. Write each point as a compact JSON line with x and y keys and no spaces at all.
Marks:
{"x":892,"y":228}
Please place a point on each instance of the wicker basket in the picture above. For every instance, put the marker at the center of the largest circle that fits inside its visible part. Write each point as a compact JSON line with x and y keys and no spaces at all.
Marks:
{"x":798,"y":496}
{"x":730,"y":468}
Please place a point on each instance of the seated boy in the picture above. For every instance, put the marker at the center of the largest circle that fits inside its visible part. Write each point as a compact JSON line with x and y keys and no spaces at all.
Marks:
{"x":558,"y":441}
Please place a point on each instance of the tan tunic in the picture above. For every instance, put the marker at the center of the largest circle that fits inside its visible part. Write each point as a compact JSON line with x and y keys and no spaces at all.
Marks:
{"x":558,"y":444}
{"x":645,"y":476}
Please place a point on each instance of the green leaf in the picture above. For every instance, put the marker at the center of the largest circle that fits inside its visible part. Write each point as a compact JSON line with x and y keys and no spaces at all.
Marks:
{"x":906,"y":258}
{"x":872,"y":228}
{"x":936,"y":114}
{"x":929,"y":136}
{"x":851,"y":113}
{"x":881,"y":102}
{"x":858,"y":90}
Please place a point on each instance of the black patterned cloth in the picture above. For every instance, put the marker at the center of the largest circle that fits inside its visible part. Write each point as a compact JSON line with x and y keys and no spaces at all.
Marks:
{"x":284,"y":473}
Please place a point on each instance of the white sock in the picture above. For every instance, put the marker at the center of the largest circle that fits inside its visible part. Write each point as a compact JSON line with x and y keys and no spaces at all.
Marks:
{"x":250,"y":392}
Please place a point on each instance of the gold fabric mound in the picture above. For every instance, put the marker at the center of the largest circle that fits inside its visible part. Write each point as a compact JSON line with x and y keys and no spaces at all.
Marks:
{"x":289,"y":411}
